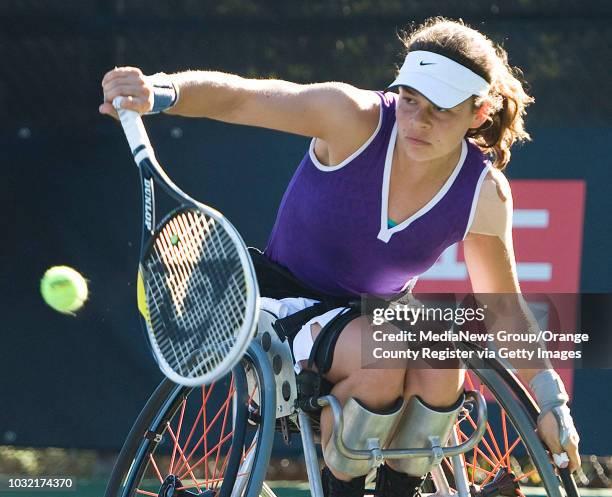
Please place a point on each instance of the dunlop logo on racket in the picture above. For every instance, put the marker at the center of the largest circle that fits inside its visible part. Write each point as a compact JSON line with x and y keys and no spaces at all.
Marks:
{"x":148,"y":204}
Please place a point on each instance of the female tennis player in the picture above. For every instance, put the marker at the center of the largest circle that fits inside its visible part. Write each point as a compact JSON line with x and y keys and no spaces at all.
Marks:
{"x":388,"y":183}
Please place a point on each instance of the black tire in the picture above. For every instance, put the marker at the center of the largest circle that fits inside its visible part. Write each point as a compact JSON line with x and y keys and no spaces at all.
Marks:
{"x":172,"y":404}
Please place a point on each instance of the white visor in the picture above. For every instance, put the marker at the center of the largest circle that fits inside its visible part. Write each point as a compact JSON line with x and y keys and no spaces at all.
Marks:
{"x":441,"y":80}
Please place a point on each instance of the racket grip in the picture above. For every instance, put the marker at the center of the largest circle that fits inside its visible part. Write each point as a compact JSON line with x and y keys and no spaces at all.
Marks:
{"x":135,"y":132}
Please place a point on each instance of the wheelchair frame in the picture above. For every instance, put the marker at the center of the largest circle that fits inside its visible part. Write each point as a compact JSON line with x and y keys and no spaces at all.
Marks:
{"x":270,"y":369}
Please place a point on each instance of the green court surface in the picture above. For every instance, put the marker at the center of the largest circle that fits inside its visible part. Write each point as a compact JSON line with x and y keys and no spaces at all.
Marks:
{"x":95,"y":488}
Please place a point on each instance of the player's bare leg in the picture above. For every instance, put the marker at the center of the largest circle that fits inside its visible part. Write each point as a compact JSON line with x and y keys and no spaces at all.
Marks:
{"x":378,"y":389}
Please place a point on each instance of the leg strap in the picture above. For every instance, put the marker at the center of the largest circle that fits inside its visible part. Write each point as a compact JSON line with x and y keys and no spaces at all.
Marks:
{"x":289,"y":326}
{"x":322,"y":353}
{"x":308,"y":390}
{"x":311,"y":384}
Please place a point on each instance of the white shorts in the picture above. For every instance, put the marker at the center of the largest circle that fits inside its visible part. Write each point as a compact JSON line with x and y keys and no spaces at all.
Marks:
{"x":302,"y":342}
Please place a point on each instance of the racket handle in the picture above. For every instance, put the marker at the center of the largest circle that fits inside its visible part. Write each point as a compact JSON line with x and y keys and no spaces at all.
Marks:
{"x":135,"y":132}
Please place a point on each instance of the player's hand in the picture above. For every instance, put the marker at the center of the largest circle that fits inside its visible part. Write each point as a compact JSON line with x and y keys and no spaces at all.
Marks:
{"x":553,"y":436}
{"x":128,"y":82}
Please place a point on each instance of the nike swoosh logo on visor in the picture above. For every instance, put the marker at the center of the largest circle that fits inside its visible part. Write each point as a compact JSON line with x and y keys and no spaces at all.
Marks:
{"x":426,"y":63}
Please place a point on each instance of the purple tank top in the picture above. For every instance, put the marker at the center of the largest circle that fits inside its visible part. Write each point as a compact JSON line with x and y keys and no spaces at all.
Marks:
{"x":332,"y":232}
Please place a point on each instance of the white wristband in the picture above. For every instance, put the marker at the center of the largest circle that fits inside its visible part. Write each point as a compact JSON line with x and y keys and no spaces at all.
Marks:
{"x":165,"y":92}
{"x":549,"y":390}
{"x":552,"y":397}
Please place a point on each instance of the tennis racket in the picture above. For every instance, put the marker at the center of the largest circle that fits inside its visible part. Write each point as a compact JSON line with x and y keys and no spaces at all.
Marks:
{"x":197,"y":290}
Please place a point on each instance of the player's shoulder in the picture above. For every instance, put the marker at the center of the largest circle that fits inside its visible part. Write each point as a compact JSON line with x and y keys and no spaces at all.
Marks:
{"x":495,"y":189}
{"x":493,"y":214}
{"x":352,"y":115}
{"x":362,"y":99}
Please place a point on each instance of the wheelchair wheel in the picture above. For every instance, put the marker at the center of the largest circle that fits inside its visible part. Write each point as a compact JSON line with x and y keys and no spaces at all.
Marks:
{"x":511,"y":455}
{"x":209,"y":441}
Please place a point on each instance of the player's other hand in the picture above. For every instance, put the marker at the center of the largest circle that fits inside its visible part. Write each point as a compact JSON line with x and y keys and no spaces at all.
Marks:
{"x":128,"y":82}
{"x":561,"y":438}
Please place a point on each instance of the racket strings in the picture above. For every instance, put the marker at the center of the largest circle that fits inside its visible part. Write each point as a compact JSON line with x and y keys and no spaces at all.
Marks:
{"x":190,"y":322}
{"x":196,"y":292}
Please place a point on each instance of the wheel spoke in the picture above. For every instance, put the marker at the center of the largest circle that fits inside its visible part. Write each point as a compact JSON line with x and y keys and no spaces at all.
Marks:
{"x":505,"y":434}
{"x":201,"y":411}
{"x":468,"y":378}
{"x":205,"y":456}
{"x":500,"y":462}
{"x":222,"y":431}
{"x":183,"y":457}
{"x":473,"y":476}
{"x":208,"y":428}
{"x":483,"y":440}
{"x":475,"y":468}
{"x":492,"y":437}
{"x":201,"y":483}
{"x":178,"y":436}
{"x":204,"y":398}
{"x":222,"y":472}
{"x":144,"y":492}
{"x":161,"y":479}
{"x":246,"y":453}
{"x":525,"y":475}
{"x":477,"y":451}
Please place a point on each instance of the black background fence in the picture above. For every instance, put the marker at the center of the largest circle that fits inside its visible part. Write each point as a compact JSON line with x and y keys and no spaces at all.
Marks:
{"x":69,"y":188}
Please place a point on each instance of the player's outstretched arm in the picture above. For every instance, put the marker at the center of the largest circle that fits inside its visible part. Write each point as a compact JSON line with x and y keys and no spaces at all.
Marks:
{"x":323,"y":110}
{"x":489,"y":257}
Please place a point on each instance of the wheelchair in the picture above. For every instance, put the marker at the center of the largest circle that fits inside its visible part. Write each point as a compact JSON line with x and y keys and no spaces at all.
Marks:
{"x":217,"y":440}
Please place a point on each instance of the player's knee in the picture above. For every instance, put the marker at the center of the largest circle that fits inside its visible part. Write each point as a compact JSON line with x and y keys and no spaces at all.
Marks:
{"x":377,"y":388}
{"x":437,"y":387}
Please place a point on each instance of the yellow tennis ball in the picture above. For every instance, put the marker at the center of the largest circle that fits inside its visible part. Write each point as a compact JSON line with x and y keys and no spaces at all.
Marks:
{"x":63,"y":289}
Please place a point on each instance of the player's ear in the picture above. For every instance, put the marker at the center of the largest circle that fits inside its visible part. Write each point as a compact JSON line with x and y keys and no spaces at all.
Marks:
{"x":480,"y":115}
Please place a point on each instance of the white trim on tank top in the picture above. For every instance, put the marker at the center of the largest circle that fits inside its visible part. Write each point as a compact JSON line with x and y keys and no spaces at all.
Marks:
{"x":385,"y":232}
{"x":481,"y":179}
{"x":356,"y":153}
